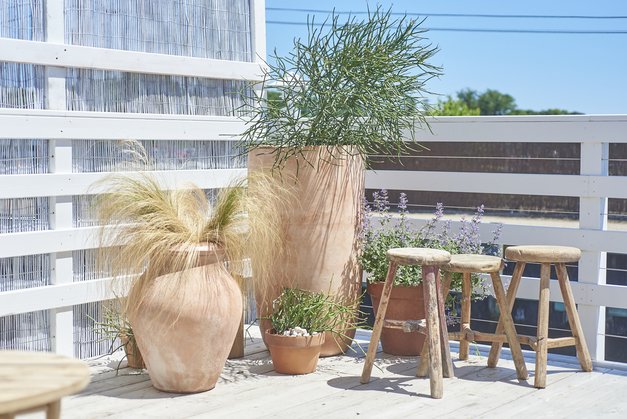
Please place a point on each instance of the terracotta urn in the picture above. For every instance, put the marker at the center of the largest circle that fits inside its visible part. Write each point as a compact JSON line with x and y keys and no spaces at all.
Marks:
{"x":294,"y":354}
{"x":406,"y":303}
{"x":186,"y":326}
{"x":321,"y":228}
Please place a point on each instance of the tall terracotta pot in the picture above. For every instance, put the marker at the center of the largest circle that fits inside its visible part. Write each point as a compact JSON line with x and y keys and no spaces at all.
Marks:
{"x":321,"y":227}
{"x":185,"y":336}
{"x":406,"y":303}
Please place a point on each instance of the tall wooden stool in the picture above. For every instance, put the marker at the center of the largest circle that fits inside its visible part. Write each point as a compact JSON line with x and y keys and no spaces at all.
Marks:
{"x":476,"y":264}
{"x":439,"y":363}
{"x":545,"y":256}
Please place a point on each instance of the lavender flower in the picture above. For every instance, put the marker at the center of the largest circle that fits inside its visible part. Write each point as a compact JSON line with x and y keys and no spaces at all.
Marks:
{"x":382,"y":233}
{"x":402,"y":202}
{"x":385,"y":232}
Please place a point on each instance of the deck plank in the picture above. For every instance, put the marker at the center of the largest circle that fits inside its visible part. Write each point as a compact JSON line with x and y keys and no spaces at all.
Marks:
{"x":249,"y":387}
{"x":582,"y":395}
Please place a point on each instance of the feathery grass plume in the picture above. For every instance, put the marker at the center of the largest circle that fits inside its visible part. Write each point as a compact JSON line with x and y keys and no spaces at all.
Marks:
{"x":162,"y":230}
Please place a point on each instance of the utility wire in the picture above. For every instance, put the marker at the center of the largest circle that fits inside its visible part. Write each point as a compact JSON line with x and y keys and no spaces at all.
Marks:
{"x":287,"y":9}
{"x":538,"y":31}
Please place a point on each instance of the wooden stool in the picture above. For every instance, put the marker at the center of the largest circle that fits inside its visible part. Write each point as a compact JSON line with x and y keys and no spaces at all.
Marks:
{"x":439,"y":363}
{"x":475,"y":264}
{"x":545,"y":256}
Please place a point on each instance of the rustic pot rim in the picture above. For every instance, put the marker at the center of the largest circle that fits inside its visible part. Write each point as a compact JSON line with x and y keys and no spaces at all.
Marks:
{"x":294,"y":341}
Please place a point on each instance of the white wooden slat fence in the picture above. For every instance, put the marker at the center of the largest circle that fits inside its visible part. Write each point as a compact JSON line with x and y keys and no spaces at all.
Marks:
{"x":593,"y":186}
{"x":197,"y":57}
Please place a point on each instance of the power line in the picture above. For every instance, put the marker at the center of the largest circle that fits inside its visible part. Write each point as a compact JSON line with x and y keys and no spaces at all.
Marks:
{"x":287,"y":9}
{"x":537,"y":31}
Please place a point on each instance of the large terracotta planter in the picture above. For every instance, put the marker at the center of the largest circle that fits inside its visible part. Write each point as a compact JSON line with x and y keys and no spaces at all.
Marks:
{"x":294,"y":354}
{"x":321,"y":227}
{"x":185,"y":332}
{"x":406,"y":303}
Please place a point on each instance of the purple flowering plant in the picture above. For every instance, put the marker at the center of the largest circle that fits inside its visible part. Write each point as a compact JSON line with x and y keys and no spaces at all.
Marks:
{"x":383,"y":230}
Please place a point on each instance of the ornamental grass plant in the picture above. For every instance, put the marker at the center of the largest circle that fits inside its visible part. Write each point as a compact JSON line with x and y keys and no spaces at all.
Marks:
{"x":383,"y":231}
{"x":161,"y":228}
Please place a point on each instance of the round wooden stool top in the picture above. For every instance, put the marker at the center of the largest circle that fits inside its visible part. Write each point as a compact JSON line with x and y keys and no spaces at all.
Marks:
{"x":543,"y":254}
{"x":474,"y":264}
{"x":418,"y":256}
{"x":34,"y":379}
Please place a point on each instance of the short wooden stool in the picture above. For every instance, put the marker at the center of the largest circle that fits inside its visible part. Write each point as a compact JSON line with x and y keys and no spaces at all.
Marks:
{"x":545,"y":256}
{"x":439,"y":363}
{"x":476,"y":264}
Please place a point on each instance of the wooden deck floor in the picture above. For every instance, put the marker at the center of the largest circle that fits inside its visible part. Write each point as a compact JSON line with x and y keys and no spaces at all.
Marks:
{"x":249,"y":388}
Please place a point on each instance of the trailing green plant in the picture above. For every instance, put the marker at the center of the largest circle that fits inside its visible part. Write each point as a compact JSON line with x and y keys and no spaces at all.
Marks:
{"x":160,"y":229}
{"x":316,"y":312}
{"x":383,"y":231}
{"x":116,"y":328}
{"x":113,"y":325}
{"x":356,"y":84}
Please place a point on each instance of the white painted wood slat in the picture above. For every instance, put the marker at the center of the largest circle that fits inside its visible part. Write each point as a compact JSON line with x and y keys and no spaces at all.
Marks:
{"x":63,"y":55}
{"x":67,"y":184}
{"x":499,"y":183}
{"x":521,"y":234}
{"x":585,"y":293}
{"x":55,"y":296}
{"x":49,"y":124}
{"x":530,"y":129}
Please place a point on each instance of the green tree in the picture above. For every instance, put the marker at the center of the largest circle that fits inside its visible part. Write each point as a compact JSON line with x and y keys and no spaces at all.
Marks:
{"x":469,"y":97}
{"x":493,"y":102}
{"x":550,"y":111}
{"x":453,"y":107}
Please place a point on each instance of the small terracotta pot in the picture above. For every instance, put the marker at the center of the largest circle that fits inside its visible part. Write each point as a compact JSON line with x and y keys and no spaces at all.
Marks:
{"x":406,"y":303}
{"x":134,"y":357}
{"x":294,"y":354}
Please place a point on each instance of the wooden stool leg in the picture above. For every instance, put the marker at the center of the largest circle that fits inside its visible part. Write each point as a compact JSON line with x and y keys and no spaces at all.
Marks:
{"x":447,"y":363}
{"x":423,"y":364}
{"x":573,"y":318}
{"x":378,"y":324}
{"x":433,"y":331}
{"x":508,"y":326}
{"x":53,"y":410}
{"x":495,"y":350}
{"x":464,"y":322}
{"x":543,"y":327}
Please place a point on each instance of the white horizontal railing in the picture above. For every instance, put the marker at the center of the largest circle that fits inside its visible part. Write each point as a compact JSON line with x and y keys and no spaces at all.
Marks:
{"x":67,"y":184}
{"x":69,"y":125}
{"x":525,"y":184}
{"x":63,"y":55}
{"x":526,"y":129}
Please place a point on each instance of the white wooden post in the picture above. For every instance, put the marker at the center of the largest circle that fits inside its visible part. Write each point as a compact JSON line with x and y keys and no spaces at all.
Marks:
{"x":592,"y":266}
{"x":258,"y":30}
{"x":62,"y":321}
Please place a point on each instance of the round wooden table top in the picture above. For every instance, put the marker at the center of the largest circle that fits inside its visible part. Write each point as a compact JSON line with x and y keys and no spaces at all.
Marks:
{"x":32,"y":379}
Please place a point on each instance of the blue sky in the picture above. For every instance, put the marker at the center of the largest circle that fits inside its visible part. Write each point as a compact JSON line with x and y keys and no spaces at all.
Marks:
{"x":577,"y":72}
